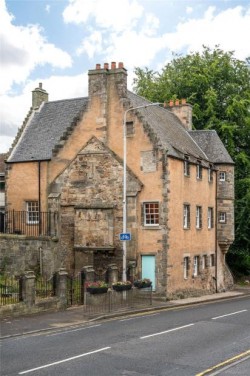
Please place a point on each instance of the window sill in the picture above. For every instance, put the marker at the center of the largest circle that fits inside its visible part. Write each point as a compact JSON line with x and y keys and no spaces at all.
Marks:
{"x":156,"y":227}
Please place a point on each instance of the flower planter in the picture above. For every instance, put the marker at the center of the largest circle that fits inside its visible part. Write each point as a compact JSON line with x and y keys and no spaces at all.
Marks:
{"x":121,"y":287}
{"x":140,"y":285}
{"x":97,"y":290}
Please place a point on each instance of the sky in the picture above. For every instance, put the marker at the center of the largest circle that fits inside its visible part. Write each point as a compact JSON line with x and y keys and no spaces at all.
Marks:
{"x":57,"y":42}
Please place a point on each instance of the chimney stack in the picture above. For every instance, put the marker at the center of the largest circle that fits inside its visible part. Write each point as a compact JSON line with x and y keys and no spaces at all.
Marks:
{"x":39,"y":95}
{"x":183,"y":111}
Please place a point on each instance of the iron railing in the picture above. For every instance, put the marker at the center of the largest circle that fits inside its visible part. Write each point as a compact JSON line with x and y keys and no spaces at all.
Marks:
{"x":45,"y":288}
{"x":114,"y":301}
{"x":10,"y":290}
{"x":17,"y":222}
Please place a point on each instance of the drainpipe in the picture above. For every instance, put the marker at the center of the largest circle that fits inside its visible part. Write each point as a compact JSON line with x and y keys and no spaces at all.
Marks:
{"x":216,"y":233}
{"x":39,"y":196}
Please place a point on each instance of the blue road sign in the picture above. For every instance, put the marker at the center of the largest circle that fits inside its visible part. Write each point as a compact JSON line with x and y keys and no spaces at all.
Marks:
{"x":124,"y":236}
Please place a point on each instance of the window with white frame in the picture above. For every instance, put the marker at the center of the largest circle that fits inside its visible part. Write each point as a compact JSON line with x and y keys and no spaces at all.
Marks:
{"x":186,"y":166}
{"x":222,"y":217}
{"x":32,"y":209}
{"x":199,"y":171}
{"x":196,"y":266}
{"x":210,"y":218}
{"x":222,"y":176}
{"x":210,"y":173}
{"x":198,"y":217}
{"x":185,"y":267}
{"x":151,"y":213}
{"x":186,"y":216}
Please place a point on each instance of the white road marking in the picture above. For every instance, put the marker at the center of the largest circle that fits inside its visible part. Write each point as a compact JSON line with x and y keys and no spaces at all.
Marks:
{"x":64,"y":360}
{"x":229,"y":314}
{"x":138,"y":317}
{"x":167,"y":331}
{"x":72,"y":330}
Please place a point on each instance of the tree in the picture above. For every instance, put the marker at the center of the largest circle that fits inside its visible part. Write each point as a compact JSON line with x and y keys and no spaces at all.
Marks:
{"x":218,"y":86}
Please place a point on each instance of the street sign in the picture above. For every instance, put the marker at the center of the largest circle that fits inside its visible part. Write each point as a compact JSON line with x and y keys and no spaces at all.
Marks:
{"x":124,"y":236}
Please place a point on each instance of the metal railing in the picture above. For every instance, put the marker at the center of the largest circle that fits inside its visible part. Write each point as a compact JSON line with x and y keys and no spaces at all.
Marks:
{"x":45,"y":288}
{"x":10,"y":290}
{"x":17,"y":222}
{"x":116,"y":301}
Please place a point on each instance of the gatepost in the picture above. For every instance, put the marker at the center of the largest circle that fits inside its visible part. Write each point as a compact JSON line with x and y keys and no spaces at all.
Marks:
{"x":61,"y":287}
{"x":29,"y":290}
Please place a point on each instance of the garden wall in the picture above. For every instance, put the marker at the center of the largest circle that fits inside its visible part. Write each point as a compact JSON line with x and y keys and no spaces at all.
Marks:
{"x":19,"y":253}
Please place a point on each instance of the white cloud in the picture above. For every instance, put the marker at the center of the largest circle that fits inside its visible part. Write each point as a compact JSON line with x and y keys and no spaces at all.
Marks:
{"x":189,"y":10}
{"x":47,"y":8}
{"x":58,"y":87}
{"x":22,"y":49}
{"x":91,"y":45}
{"x":228,"y":29}
{"x":113,"y":15}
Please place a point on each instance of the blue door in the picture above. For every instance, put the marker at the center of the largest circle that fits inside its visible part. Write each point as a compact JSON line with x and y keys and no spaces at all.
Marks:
{"x":148,"y":268}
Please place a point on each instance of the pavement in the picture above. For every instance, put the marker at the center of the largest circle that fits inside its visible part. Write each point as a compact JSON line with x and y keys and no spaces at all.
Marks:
{"x":75,"y":316}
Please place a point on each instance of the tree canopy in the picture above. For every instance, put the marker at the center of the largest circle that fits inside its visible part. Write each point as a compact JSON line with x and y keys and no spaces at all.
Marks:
{"x":217,"y":85}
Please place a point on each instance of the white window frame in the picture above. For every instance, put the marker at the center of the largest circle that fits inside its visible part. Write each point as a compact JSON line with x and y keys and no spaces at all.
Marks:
{"x":210,"y":174}
{"x":186,"y":167}
{"x":199,"y":171}
{"x":32,"y":216}
{"x":185,"y":267}
{"x":210,"y":218}
{"x":198,"y":222}
{"x":186,"y":216}
{"x":222,"y":217}
{"x":222,"y":176}
{"x":150,"y":214}
{"x":196,"y":266}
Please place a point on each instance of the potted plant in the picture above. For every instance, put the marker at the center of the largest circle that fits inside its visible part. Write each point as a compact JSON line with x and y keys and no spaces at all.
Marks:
{"x":142,"y":283}
{"x":98,"y":287}
{"x":122,"y":285}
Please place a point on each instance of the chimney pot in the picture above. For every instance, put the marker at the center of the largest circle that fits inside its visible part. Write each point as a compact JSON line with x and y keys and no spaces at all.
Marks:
{"x":171,"y":103}
{"x":40,"y":85}
{"x":113,"y":65}
{"x":120,"y":65}
{"x":106,"y":66}
{"x":98,"y":66}
{"x":183,"y":101}
{"x":177,"y":102}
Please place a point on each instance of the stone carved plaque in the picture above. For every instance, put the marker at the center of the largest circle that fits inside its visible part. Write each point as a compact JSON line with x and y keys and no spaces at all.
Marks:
{"x":94,"y":227}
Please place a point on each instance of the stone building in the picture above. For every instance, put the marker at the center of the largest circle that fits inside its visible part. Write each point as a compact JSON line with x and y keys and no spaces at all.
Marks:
{"x":68,"y":160}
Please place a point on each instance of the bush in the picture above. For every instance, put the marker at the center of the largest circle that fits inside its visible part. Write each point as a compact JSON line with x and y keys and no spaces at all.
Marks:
{"x":239,"y":263}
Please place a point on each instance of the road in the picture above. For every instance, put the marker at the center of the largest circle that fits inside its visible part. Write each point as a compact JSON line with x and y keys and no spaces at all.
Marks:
{"x":180,"y":342}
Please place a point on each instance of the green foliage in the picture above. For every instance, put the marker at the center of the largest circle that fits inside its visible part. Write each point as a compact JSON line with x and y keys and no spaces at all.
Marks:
{"x":239,"y":262}
{"x":218,"y":87}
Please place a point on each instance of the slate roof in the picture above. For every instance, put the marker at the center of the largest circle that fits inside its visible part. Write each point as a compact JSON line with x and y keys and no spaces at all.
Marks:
{"x":44,"y":130}
{"x":212,"y":146}
{"x":168,"y":129}
{"x":48,"y":126}
{"x":2,"y":164}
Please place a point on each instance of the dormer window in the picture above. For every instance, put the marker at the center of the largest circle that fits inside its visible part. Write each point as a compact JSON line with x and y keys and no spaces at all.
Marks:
{"x":186,"y":166}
